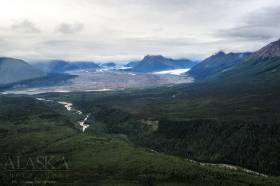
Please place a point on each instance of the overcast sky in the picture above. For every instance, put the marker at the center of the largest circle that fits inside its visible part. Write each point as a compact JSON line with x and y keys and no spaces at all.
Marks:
{"x":122,"y":30}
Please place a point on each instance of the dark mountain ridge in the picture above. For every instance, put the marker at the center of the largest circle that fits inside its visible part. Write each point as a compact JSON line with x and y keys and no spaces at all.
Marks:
{"x":261,"y":69}
{"x":219,"y":62}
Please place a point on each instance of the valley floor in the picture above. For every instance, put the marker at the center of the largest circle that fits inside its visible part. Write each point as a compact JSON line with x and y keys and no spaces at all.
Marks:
{"x":87,"y":81}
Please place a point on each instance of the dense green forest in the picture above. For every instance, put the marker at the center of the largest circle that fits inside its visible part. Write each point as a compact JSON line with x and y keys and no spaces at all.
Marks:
{"x":229,"y":125}
{"x":31,"y":128}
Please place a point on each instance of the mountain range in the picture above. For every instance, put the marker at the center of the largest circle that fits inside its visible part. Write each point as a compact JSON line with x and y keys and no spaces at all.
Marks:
{"x":235,"y":67}
{"x":261,"y":69}
{"x":240,"y":68}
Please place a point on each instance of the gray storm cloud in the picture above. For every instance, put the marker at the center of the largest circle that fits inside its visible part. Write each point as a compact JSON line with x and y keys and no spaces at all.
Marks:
{"x":25,"y":26}
{"x":114,"y":30}
{"x":67,"y":28}
{"x":263,"y":24}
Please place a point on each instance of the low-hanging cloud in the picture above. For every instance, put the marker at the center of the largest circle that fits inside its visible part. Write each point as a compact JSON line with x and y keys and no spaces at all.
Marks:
{"x":67,"y":28}
{"x":25,"y":26}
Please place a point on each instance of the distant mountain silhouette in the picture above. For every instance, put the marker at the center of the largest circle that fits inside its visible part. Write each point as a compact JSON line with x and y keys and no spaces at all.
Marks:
{"x":159,"y":63}
{"x":61,"y":66}
{"x":15,"y":70}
